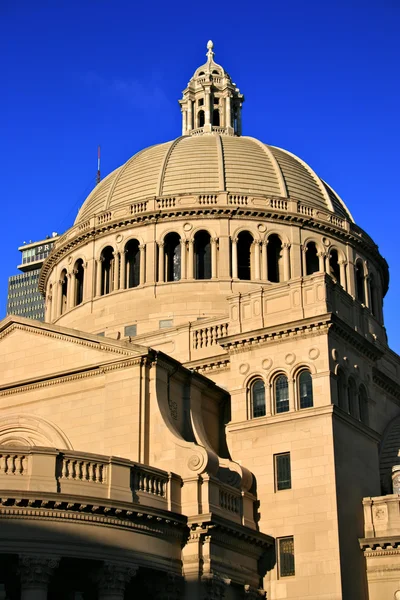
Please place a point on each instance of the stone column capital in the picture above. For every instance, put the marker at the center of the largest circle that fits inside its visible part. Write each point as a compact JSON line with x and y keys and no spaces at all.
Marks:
{"x":286,"y":245}
{"x":252,"y":593}
{"x":161,"y":244}
{"x":214,"y":240}
{"x":215,"y":586}
{"x":114,"y":577}
{"x":35,"y":570}
{"x":234,"y":240}
{"x":142,"y":247}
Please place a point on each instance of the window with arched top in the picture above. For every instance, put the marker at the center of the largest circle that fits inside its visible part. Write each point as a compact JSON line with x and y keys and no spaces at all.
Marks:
{"x":200,"y":118}
{"x":274,"y":258}
{"x":172,"y":253}
{"x":363,"y":405}
{"x":244,"y":242}
{"x":352,"y":397}
{"x":305,"y":390}
{"x":257,"y":398}
{"x":132,"y":263}
{"x":373,"y":295}
{"x":216,"y":120}
{"x":281,"y":394}
{"x":334,"y":267}
{"x":341,"y":389}
{"x":202,"y":255}
{"x":312,"y":260}
{"x":360,"y":290}
{"x":64,"y":291}
{"x":107,"y":270}
{"x":79,"y":278}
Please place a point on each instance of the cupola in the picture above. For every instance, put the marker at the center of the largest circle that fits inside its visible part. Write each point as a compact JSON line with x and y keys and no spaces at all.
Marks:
{"x":211,"y":102}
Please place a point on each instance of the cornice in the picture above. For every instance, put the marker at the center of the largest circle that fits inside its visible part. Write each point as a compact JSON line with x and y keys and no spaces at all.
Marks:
{"x":218,"y":364}
{"x":386,"y":383}
{"x":211,"y":525}
{"x":380,"y":546}
{"x":358,"y":341}
{"x":353,"y":235}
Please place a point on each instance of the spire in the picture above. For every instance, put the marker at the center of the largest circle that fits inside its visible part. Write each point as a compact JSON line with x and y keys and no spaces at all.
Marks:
{"x":211,"y":102}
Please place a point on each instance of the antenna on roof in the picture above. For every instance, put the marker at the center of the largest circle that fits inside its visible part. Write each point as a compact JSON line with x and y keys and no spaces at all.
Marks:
{"x":98,"y":166}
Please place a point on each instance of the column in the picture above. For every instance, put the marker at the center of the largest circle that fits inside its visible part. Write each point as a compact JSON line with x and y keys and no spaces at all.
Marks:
{"x":142,"y":265}
{"x":191,"y":260}
{"x":54,"y":302}
{"x":303,"y":260}
{"x":112,"y":579}
{"x":98,"y":276}
{"x":71,"y":289}
{"x":189,"y":115}
{"x":122,"y":283}
{"x":228,"y":112}
{"x":342,"y":267}
{"x":214,"y":586}
{"x":207,"y":112}
{"x":35,"y":573}
{"x":256,"y":246}
{"x":183,"y":121}
{"x":214,"y":248}
{"x":116,"y":271}
{"x":161,"y":262}
{"x":286,"y":262}
{"x":239,"y":120}
{"x":264,"y":261}
{"x":367,"y":292}
{"x":234,"y":259}
{"x":183,"y":258}
{"x":321,"y":258}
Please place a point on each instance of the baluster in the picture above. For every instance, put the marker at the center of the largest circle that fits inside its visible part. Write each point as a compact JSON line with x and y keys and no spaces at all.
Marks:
{"x":64,"y":469}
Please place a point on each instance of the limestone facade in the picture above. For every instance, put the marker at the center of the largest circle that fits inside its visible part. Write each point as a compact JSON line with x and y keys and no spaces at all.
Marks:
{"x":202,"y":413}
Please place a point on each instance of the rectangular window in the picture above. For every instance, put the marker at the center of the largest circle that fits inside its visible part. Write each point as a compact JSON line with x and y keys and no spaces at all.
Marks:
{"x":164,"y":323}
{"x":286,"y":556}
{"x":283,"y":476}
{"x":130,"y":330}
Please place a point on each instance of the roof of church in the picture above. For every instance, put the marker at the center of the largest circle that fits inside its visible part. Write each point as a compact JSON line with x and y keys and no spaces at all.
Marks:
{"x":211,"y":163}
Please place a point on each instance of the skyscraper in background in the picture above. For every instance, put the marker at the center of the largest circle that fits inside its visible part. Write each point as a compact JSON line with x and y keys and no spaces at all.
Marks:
{"x":24,"y":298}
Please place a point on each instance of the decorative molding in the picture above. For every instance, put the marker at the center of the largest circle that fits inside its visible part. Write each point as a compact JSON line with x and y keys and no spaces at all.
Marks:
{"x":35,"y":570}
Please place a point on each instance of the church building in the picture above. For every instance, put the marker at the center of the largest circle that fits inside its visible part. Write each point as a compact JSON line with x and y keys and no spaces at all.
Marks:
{"x":210,"y":409}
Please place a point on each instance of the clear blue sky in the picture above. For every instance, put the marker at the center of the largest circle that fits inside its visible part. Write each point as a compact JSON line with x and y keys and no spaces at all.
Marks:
{"x":320,"y":78}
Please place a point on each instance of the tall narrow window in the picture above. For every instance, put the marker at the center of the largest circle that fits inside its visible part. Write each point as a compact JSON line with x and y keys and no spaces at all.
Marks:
{"x":172,"y":251}
{"x":107,"y":270}
{"x":274,"y":258}
{"x":373,"y":295}
{"x":132,"y":263}
{"x":79,"y":276}
{"x":200,"y":118}
{"x":281,"y":394}
{"x":334,"y":268}
{"x":286,"y":556}
{"x":312,"y":260}
{"x":245,"y":240}
{"x":64,"y":291}
{"x":202,"y":251}
{"x":363,"y":405}
{"x":305,"y":390}
{"x":352,"y":397}
{"x":360,"y":291}
{"x":216,"y":117}
{"x":257,"y":392}
{"x":283,"y":475}
{"x":341,"y":389}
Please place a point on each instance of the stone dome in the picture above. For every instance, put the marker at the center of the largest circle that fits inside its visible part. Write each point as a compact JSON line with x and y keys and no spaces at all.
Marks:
{"x":212,"y":163}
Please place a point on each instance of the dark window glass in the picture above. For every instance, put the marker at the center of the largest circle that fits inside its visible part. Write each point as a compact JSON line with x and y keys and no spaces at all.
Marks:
{"x":352,"y":398}
{"x":79,"y":279}
{"x":274,"y":256}
{"x":286,"y":556}
{"x":363,"y":403}
{"x":334,"y":267}
{"x":172,"y":251}
{"x":132,"y":262}
{"x":202,"y":250}
{"x":312,"y":260}
{"x":283,"y":477}
{"x":281,"y":394}
{"x":130,"y":330}
{"x":258,"y":398}
{"x":216,"y":118}
{"x":360,"y":292}
{"x":305,"y":389}
{"x":245,"y":240}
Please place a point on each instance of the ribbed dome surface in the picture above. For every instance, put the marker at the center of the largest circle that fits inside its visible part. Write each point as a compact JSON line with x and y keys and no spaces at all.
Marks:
{"x":210,"y":164}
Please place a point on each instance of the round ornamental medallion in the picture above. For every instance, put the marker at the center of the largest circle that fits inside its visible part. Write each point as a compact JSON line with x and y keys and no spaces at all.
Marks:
{"x":266,"y":364}
{"x":119,"y":238}
{"x":290,"y":358}
{"x":187,"y":226}
{"x":325,"y":241}
{"x":261,"y":227}
{"x":313,"y":353}
{"x":244,"y":368}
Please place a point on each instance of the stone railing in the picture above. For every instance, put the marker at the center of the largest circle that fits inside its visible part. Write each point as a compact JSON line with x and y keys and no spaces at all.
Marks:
{"x":91,"y":475}
{"x":208,"y":335}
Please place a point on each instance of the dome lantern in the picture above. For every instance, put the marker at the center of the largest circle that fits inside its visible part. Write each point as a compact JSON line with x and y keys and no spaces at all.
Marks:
{"x":211,"y":102}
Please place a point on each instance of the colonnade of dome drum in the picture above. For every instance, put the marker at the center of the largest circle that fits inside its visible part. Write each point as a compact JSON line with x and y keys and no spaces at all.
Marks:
{"x":199,"y":258}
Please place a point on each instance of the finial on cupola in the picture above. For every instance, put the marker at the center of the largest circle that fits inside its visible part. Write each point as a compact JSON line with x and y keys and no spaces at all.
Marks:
{"x":210,"y":53}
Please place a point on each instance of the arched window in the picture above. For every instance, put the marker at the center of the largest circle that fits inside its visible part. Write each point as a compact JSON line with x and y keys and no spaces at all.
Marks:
{"x":312,"y":260}
{"x":352,"y":397}
{"x":216,"y":117}
{"x":64,"y":291}
{"x":334,"y":268}
{"x":200,"y":118}
{"x":274,"y":258}
{"x":79,"y":277}
{"x":373,"y":295}
{"x":107,"y":270}
{"x":257,"y":397}
{"x":245,"y":240}
{"x":360,"y":291}
{"x":202,"y":253}
{"x":132,"y":263}
{"x":281,"y":394}
{"x":363,"y":405}
{"x":172,"y":250}
{"x":305,"y":390}
{"x":341,"y":389}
